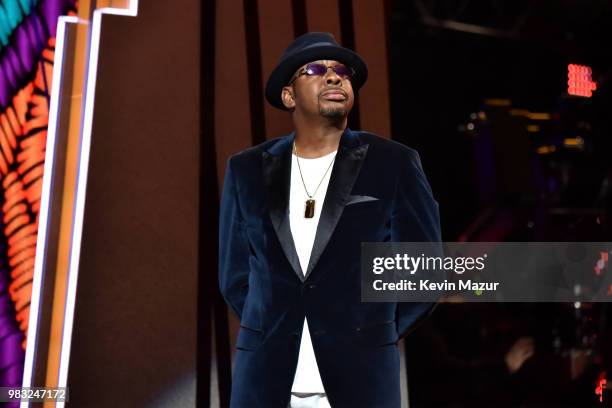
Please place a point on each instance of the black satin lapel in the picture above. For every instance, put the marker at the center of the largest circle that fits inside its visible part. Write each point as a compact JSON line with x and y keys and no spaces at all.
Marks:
{"x":277,"y":178}
{"x":344,"y":173}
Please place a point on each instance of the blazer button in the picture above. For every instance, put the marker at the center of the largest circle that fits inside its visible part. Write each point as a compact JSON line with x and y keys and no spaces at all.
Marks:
{"x":311,"y":286}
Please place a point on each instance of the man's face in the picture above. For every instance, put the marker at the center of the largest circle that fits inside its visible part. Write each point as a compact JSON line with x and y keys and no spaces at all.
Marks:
{"x":329,"y":95}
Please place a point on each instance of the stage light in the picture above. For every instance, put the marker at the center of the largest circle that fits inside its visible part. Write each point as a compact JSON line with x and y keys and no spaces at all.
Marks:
{"x":539,"y":116}
{"x":573,"y":142}
{"x":498,"y":102}
{"x":546,"y":149}
{"x":601,"y":386}
{"x":533,"y":128}
{"x":579,"y":81}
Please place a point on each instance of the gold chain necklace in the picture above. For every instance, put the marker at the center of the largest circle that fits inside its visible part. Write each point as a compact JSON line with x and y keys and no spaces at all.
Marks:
{"x":310,"y":203}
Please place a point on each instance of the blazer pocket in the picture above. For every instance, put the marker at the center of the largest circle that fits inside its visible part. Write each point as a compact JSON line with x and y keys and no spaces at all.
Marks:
{"x":248,"y":339}
{"x":354,"y":199}
{"x":363,"y":207}
{"x":379,"y":334}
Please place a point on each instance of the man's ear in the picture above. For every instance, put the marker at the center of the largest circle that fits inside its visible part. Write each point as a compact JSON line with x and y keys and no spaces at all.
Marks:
{"x":288,"y":97}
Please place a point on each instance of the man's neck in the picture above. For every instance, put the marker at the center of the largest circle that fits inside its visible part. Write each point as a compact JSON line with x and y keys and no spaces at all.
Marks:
{"x":314,"y":140}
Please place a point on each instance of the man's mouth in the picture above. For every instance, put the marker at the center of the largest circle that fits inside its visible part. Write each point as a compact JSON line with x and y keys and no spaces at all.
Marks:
{"x":334,"y":95}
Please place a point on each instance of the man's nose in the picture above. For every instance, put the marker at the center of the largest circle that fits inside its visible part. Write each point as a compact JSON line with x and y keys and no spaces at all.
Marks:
{"x":331,"y":78}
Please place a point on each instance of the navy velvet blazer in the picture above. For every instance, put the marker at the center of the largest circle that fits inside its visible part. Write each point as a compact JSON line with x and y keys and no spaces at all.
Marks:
{"x":260,"y":277}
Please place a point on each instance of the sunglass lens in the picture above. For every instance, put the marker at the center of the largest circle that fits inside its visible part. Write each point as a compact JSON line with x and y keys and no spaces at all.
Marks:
{"x":316,"y":69}
{"x":343,"y":71}
{"x":321,"y":69}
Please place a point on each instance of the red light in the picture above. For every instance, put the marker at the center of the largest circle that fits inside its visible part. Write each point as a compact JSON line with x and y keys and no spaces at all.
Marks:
{"x":601,"y":385}
{"x":579,"y":81}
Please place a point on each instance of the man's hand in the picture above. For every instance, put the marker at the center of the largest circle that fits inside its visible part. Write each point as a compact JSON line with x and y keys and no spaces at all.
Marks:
{"x":520,"y":352}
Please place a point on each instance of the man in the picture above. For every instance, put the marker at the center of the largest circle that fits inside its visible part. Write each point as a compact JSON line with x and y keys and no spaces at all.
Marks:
{"x":294,"y":213}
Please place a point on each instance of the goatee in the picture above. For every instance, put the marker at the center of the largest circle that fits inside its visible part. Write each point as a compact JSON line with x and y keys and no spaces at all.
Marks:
{"x":332,"y":112}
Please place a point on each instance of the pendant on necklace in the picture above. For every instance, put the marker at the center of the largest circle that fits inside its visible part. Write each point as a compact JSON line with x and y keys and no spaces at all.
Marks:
{"x":310,"y":207}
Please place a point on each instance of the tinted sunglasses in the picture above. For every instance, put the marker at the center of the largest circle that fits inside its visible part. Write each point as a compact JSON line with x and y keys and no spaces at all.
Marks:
{"x":319,"y":69}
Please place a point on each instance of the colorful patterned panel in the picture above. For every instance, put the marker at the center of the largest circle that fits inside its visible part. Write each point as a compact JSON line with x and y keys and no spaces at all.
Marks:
{"x":27,"y":43}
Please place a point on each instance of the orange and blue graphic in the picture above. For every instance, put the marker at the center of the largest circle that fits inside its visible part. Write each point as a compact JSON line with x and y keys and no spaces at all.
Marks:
{"x":27,"y":45}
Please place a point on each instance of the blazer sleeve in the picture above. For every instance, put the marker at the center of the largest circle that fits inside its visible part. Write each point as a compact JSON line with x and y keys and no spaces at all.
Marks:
{"x":233,"y":246}
{"x":415,"y":218}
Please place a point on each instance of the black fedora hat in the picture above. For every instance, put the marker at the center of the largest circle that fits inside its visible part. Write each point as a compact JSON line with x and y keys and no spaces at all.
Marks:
{"x":307,"y":48}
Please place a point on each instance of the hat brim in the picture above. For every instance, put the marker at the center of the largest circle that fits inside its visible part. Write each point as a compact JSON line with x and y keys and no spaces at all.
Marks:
{"x":282,"y":74}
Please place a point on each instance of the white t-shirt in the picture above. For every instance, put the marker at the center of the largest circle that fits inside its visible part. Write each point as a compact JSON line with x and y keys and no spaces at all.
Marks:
{"x":307,"y":377}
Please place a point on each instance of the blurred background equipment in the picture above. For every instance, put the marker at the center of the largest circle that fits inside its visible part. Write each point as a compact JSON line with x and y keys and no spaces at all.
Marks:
{"x":509,"y":105}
